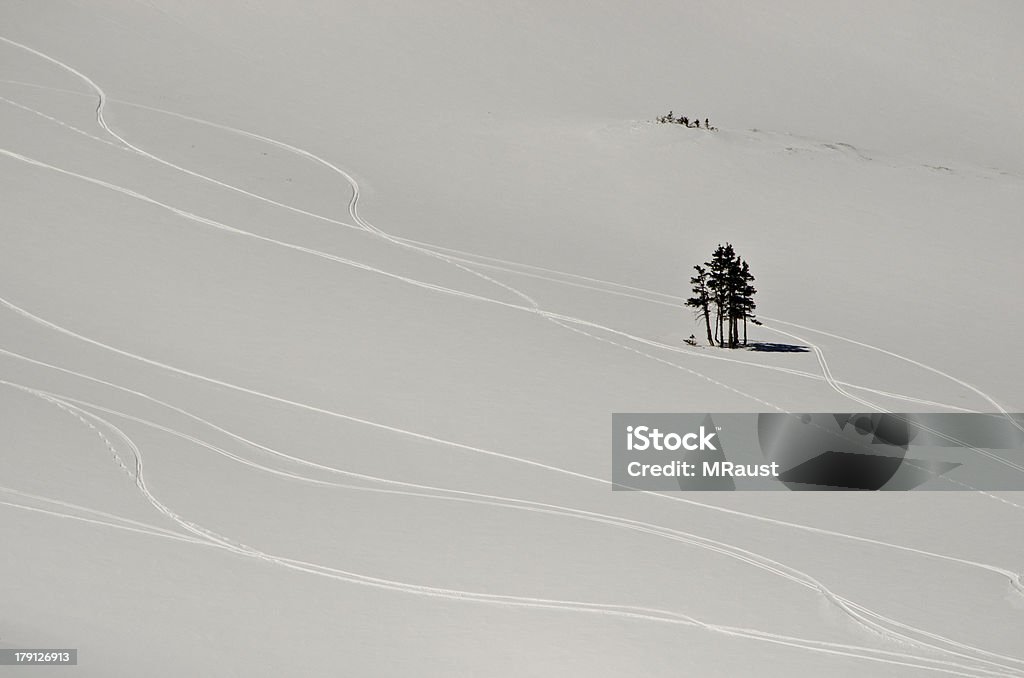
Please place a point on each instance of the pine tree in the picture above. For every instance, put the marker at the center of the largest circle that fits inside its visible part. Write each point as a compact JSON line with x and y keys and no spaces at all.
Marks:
{"x":701,"y":299}
{"x":719,"y":284}
{"x":735,"y":299}
{"x":714,"y":288}
{"x":747,"y":297}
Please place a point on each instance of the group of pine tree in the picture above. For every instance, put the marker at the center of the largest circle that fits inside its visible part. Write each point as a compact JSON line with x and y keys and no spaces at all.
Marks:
{"x":672,"y":119}
{"x":724,"y":297}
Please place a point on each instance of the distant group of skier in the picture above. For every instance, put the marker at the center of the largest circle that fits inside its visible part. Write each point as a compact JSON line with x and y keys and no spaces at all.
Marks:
{"x":670,"y":118}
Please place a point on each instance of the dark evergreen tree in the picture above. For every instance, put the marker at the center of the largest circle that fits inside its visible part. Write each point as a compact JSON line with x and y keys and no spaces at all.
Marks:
{"x":747,"y":297}
{"x":732,"y":299}
{"x":719,"y":271}
{"x":701,"y":299}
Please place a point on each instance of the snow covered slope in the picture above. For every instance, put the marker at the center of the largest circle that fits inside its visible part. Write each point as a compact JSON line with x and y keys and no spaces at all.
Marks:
{"x":312,"y":322}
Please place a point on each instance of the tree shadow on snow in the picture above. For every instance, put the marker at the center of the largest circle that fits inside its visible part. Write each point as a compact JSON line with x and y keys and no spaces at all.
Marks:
{"x":769,"y":347}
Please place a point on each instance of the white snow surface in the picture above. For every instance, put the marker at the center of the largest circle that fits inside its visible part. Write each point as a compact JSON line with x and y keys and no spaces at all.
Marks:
{"x":313,"y":317}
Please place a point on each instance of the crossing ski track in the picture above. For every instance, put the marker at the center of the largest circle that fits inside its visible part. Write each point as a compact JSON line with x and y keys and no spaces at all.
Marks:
{"x":870,"y":620}
{"x":204,"y":536}
{"x":85,"y":412}
{"x":534,"y":306}
{"x":393,"y":429}
{"x":101,"y":96}
{"x":447,"y":290}
{"x":477,"y":260}
{"x":649,"y":296}
{"x":366,"y":226}
{"x":1010,"y":575}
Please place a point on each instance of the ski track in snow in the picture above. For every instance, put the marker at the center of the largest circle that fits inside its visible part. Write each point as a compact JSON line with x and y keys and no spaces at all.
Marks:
{"x":870,"y":620}
{"x":364,"y":225}
{"x":432,"y":251}
{"x":456,"y":445}
{"x":115,"y":524}
{"x":110,"y":517}
{"x":827,"y":372}
{"x":534,"y":306}
{"x":651,"y":298}
{"x":204,"y":536}
{"x":997,"y":570}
